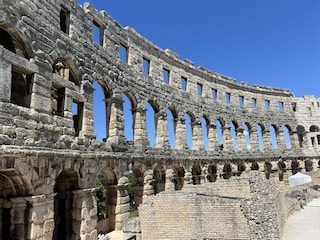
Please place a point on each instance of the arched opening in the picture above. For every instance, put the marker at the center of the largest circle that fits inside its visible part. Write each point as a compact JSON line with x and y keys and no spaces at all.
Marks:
{"x":260,"y":130}
{"x":241,"y":168}
{"x":227,"y":171}
{"x":205,"y":131}
{"x":172,"y":125}
{"x":128,"y":117}
{"x":233,"y":131}
{"x":152,"y":122}
{"x":315,"y":138}
{"x":101,"y":110}
{"x":286,"y":135}
{"x":295,"y":166}
{"x":301,"y":135}
{"x":135,"y":188}
{"x":189,"y":130}
{"x":196,"y":174}
{"x":159,"y":177}
{"x":64,"y":213}
{"x":219,"y":129}
{"x":12,"y":185}
{"x":246,"y":133}
{"x":273,"y":136}
{"x":212,"y":173}
{"x":254,"y":166}
{"x":106,"y":184}
{"x":179,"y":177}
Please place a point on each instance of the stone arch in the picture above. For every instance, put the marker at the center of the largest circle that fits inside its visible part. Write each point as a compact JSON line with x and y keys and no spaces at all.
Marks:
{"x":273,"y":129}
{"x":254,"y":166}
{"x":106,"y":184}
{"x":15,"y":41}
{"x":314,"y":128}
{"x":260,"y":128}
{"x":212,"y":173}
{"x":179,"y":177}
{"x":66,"y":68}
{"x":196,"y":174}
{"x":220,"y":123}
{"x":102,"y":108}
{"x":159,"y":177}
{"x":13,"y":184}
{"x":64,"y":212}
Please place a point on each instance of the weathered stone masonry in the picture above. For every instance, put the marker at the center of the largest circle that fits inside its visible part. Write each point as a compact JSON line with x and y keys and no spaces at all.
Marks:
{"x":50,"y":157}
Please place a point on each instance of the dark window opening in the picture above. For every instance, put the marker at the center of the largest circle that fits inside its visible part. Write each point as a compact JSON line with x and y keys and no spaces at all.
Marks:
{"x":318,"y":139}
{"x":228,"y":98}
{"x":254,"y":102}
{"x":280,"y":105}
{"x":309,"y":112}
{"x":199,"y":86}
{"x":21,"y":88}
{"x":294,"y":107}
{"x":184,"y":83}
{"x":6,"y":41}
{"x":146,"y":66}
{"x":214,"y":94}
{"x":77,"y":112}
{"x":64,"y":19}
{"x":166,"y":76}
{"x":267,"y":104}
{"x":97,"y":33}
{"x":57,"y":100}
{"x":241,"y":100}
{"x":123,"y":53}
{"x":6,"y":223}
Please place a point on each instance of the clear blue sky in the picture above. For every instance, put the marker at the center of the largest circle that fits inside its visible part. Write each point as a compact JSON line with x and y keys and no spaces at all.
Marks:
{"x":266,"y":42}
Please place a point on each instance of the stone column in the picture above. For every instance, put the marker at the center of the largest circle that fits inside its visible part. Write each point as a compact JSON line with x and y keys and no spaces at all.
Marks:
{"x":197,"y":138}
{"x":254,"y":141}
{"x":267,"y":140}
{"x":187,"y":179}
{"x":148,"y":190}
{"x":5,"y":81}
{"x":18,"y":218}
{"x":181,"y":140}
{"x":227,"y":139}
{"x":116,"y":128}
{"x":123,"y":203}
{"x":170,"y":186}
{"x":241,"y":140}
{"x":280,"y":140}
{"x":140,"y":129}
{"x":162,"y":137}
{"x":212,"y":137}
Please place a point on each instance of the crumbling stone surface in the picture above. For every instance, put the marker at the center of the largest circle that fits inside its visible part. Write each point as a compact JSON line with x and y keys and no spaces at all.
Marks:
{"x":50,"y":157}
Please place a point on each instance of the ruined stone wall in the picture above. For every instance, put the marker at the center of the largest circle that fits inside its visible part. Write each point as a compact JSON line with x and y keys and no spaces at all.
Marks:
{"x":198,"y":212}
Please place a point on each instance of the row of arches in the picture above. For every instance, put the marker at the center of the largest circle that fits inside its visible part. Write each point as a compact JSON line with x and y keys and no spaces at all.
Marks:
{"x":195,"y":133}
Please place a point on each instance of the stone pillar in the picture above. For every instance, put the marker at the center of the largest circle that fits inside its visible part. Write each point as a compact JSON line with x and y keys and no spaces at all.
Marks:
{"x":212,"y":137}
{"x":148,"y":190}
{"x":227,"y":139}
{"x":181,"y":140}
{"x":267,"y":140}
{"x":294,"y":139}
{"x":280,"y":140}
{"x":162,"y":137}
{"x":123,"y":203}
{"x":140,"y":129}
{"x":254,"y":141}
{"x":197,"y":137}
{"x":5,"y":81}
{"x":220,"y":170}
{"x":187,"y":179}
{"x":18,"y":218}
{"x":116,"y":128}
{"x":241,"y":140}
{"x":170,"y":186}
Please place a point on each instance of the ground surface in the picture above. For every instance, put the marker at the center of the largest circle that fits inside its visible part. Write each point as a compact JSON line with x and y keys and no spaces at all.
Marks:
{"x":304,"y":223}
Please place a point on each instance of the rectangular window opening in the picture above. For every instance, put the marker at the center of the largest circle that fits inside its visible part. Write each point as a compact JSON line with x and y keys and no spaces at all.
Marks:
{"x":214,"y":94}
{"x":199,"y":86}
{"x":97,"y":33}
{"x":280,"y":105}
{"x":21,"y":88}
{"x":254,"y":102}
{"x":267,"y":104}
{"x":184,"y":83}
{"x":124,"y":53}
{"x":57,"y":100}
{"x":146,"y":66}
{"x":228,"y":98}
{"x":241,"y":100}
{"x":294,"y":106}
{"x":166,"y":76}
{"x":309,"y":112}
{"x":318,"y":139}
{"x":77,"y":112}
{"x":64,"y":19}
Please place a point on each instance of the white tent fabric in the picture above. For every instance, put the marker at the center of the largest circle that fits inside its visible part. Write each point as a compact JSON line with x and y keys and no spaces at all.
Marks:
{"x":299,"y":179}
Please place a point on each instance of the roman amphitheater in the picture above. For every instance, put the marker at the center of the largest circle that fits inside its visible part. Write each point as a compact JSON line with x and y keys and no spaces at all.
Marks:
{"x":59,"y":181}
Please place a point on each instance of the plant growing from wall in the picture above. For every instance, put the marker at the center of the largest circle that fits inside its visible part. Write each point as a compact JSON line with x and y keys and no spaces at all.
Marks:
{"x":131,"y":189}
{"x":281,"y":169}
{"x":241,"y":168}
{"x":294,"y":166}
{"x":227,"y":171}
{"x":267,"y":169}
{"x":101,"y":195}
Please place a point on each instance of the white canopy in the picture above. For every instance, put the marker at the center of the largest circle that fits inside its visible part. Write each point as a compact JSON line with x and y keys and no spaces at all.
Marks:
{"x":299,"y":179}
